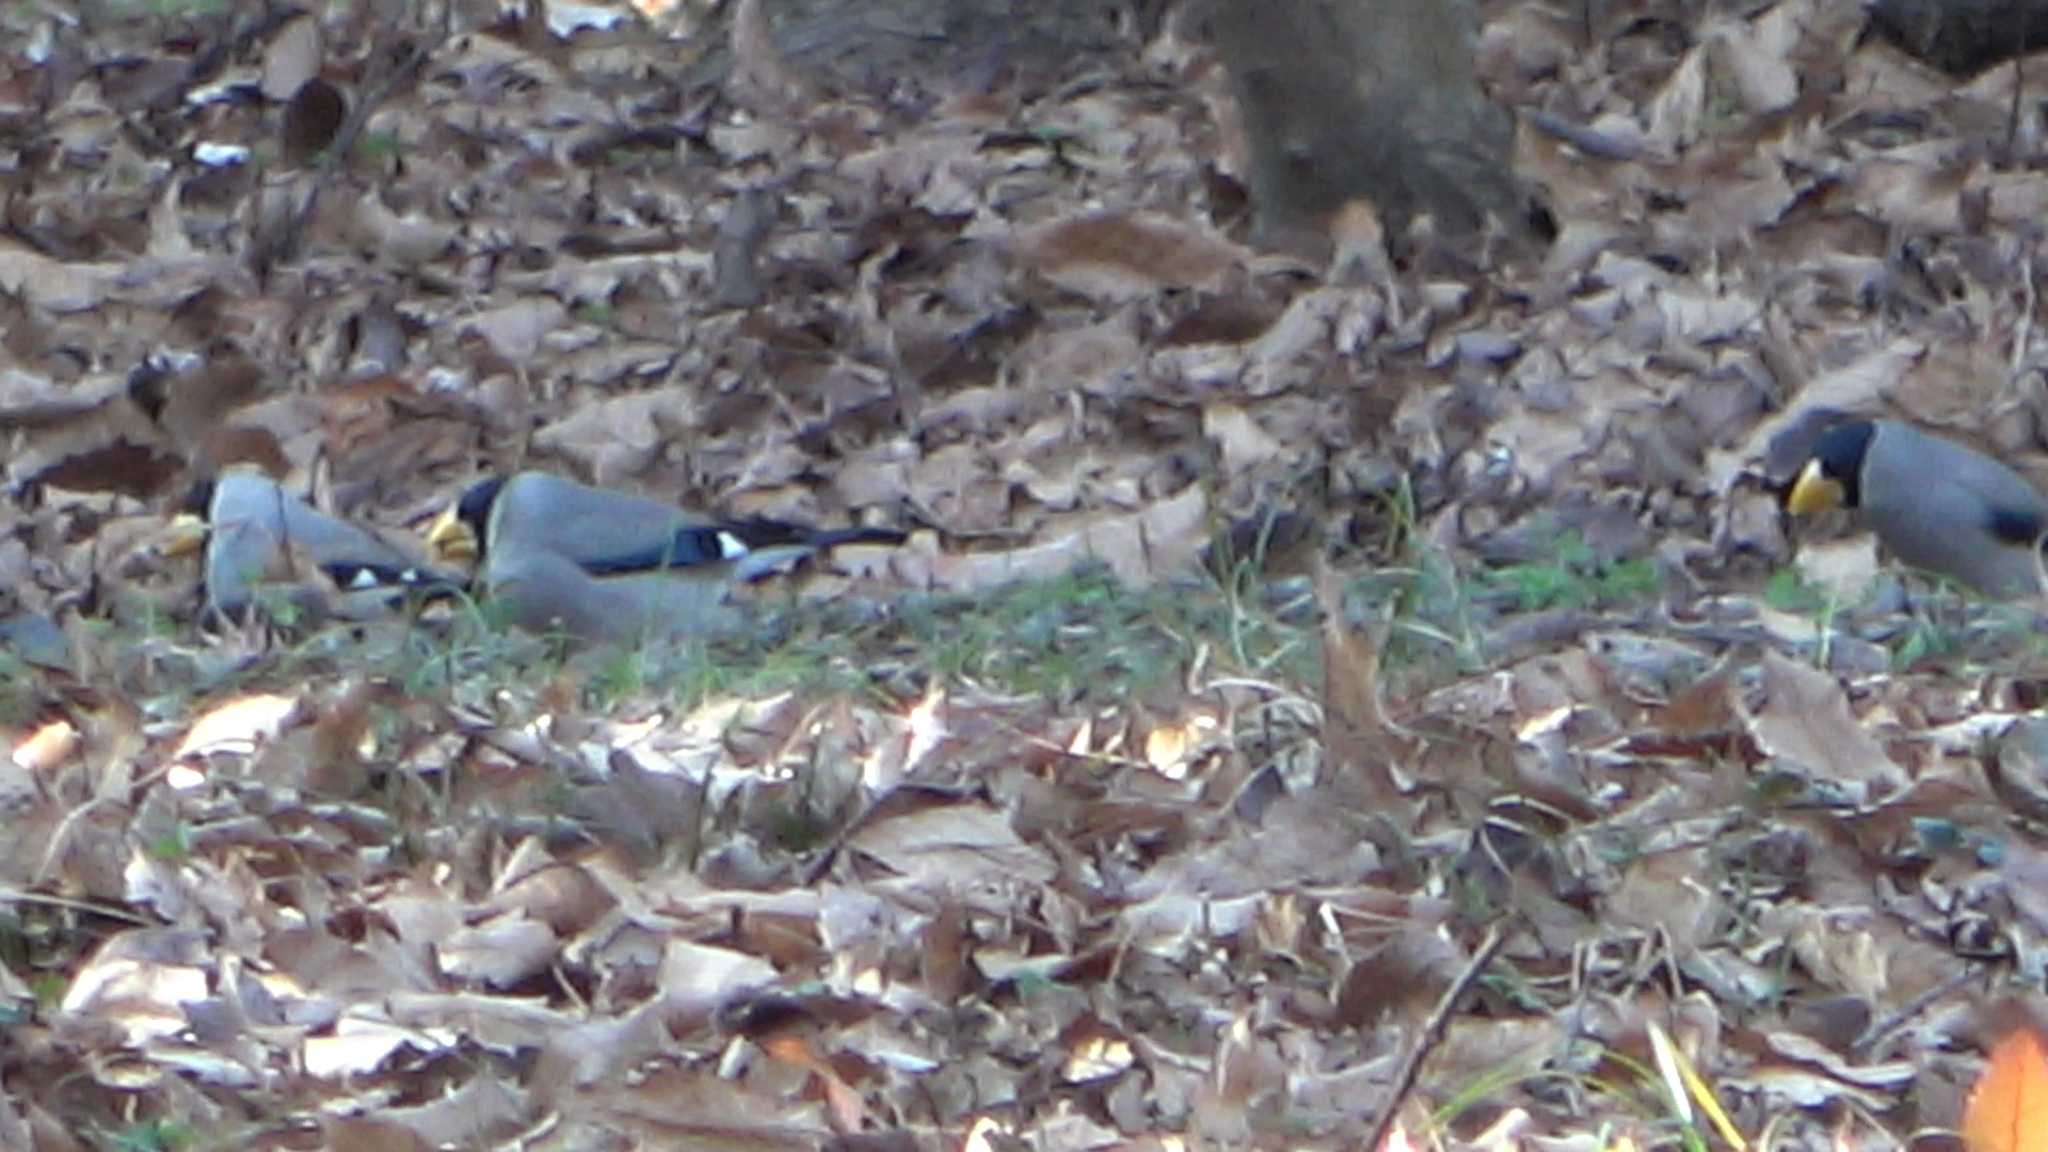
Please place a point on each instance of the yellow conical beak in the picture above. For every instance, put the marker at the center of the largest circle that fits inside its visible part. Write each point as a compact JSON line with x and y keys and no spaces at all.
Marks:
{"x":452,"y":540}
{"x":183,"y":536}
{"x":1813,"y":492}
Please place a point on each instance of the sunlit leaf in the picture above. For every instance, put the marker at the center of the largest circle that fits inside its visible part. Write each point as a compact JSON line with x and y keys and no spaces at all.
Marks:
{"x":2008,"y":1109}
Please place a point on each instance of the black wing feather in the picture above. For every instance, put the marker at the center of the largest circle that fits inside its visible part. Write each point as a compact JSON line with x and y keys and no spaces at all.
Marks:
{"x":356,"y":576}
{"x":2016,"y":525}
{"x":712,"y":544}
{"x":764,"y":533}
{"x":688,"y":548}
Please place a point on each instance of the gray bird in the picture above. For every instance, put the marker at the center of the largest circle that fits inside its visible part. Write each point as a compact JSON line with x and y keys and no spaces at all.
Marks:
{"x":603,"y":565}
{"x":262,"y":540}
{"x":1935,"y":504}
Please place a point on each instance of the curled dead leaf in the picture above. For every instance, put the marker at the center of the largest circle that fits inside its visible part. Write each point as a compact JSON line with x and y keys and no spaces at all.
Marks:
{"x":312,"y":120}
{"x":237,"y":724}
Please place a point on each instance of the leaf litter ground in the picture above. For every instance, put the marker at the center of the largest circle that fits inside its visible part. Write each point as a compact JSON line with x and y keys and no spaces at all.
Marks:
{"x":1307,"y":710}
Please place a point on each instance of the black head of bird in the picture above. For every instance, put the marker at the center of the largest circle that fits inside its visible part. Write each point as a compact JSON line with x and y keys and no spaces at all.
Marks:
{"x":457,"y":536}
{"x":1832,"y":478}
{"x":1935,"y":504}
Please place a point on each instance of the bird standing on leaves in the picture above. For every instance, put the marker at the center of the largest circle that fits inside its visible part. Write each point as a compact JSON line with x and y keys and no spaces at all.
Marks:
{"x":601,"y":565}
{"x":260,"y":537}
{"x":1935,"y":504}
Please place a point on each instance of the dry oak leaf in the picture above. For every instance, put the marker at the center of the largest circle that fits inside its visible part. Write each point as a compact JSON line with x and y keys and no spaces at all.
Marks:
{"x":2008,"y":1108}
{"x":1805,"y":719}
{"x":53,"y":285}
{"x":1115,"y":256}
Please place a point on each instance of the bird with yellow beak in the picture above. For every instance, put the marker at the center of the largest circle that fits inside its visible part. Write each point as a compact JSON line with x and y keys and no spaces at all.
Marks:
{"x":603,"y":565}
{"x":1934,"y":504}
{"x":262,"y":540}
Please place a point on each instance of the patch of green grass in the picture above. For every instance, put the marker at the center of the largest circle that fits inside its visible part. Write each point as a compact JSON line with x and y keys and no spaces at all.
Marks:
{"x":173,"y":846}
{"x":1241,"y":619}
{"x":153,"y":1136}
{"x":1490,"y":1083}
{"x":1788,"y":591}
{"x":1069,"y":637}
{"x":106,"y":14}
{"x":1622,"y":1084}
{"x":379,"y":146}
{"x":1924,"y":639}
{"x":1425,"y":604}
{"x":1080,"y":635}
{"x":1432,"y":627}
{"x":622,"y":677}
{"x":1574,"y":576}
{"x":20,"y":690}
{"x":48,"y":988}
{"x":479,"y":652}
{"x":790,"y":656}
{"x":795,"y":828}
{"x":170,"y":9}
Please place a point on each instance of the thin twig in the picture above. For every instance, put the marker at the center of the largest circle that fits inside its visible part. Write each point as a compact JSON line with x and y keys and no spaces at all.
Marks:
{"x":404,"y":59}
{"x":1433,"y":1034}
{"x":1881,"y":1028}
{"x":53,"y":852}
{"x":2023,"y":337}
{"x":22,"y":896}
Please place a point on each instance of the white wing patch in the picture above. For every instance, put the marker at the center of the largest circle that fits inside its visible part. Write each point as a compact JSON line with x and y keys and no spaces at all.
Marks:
{"x":731,"y":547}
{"x":364,"y":576}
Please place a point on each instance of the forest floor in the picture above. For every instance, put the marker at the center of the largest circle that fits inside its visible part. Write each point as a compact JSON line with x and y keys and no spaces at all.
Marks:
{"x":1305,"y":709}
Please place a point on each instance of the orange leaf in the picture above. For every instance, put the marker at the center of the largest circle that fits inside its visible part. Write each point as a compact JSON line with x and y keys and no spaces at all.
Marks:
{"x":2008,"y":1109}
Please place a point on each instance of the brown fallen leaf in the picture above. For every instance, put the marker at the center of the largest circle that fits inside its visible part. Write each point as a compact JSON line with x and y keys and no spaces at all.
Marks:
{"x":190,"y":405}
{"x":1358,"y":738}
{"x":1116,"y":255}
{"x":137,"y":437}
{"x":119,"y":467}
{"x":371,"y":1134}
{"x":312,"y":120}
{"x":238,"y":724}
{"x":2008,"y":1108}
{"x":1805,"y":719}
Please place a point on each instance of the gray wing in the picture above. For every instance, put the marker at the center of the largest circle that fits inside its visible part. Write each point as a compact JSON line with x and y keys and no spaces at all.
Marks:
{"x":1945,"y":508}
{"x":1920,"y":461}
{"x":598,"y":529}
{"x":253,"y":523}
